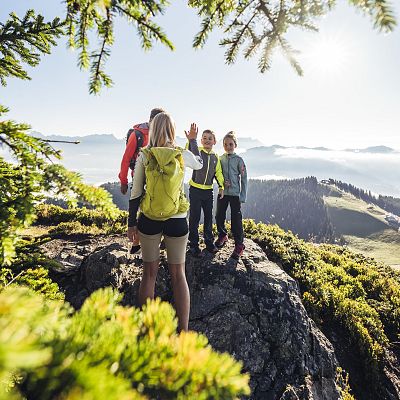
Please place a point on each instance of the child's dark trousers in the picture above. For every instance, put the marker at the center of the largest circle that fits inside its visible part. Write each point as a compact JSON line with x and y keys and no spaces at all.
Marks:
{"x":236,"y":217}
{"x":200,"y":199}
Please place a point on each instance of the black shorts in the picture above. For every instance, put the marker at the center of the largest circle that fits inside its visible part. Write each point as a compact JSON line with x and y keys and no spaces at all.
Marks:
{"x":174,"y":227}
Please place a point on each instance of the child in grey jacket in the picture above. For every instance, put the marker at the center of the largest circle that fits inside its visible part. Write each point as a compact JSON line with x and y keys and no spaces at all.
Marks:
{"x":235,"y":191}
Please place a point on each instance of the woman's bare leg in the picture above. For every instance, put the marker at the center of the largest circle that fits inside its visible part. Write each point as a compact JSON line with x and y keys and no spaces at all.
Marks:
{"x":181,"y":295}
{"x":147,"y":285}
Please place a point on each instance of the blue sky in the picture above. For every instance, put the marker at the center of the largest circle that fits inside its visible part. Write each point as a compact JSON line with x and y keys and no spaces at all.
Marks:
{"x":354,"y":102}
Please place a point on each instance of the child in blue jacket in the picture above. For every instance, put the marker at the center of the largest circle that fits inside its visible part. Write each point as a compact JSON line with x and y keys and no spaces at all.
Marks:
{"x":235,"y":190}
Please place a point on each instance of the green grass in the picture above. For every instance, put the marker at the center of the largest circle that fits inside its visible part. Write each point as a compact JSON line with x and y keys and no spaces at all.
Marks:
{"x":355,"y":223}
{"x":34,"y":231}
{"x":364,"y":228}
{"x":355,"y":216}
{"x":389,"y":253}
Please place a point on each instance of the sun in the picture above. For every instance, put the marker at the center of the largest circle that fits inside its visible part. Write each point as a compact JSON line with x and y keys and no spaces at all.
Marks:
{"x":327,"y":55}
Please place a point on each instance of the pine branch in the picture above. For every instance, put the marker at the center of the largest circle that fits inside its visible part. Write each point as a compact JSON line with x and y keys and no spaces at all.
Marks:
{"x":23,"y":41}
{"x":380,"y":11}
{"x":98,"y":76}
{"x":146,"y":29}
{"x":239,"y":12}
{"x":231,"y":53}
{"x":82,"y":41}
{"x":290,"y":53}
{"x":207,"y":26}
{"x":264,"y":63}
{"x":247,"y":23}
{"x":253,"y":46}
{"x":87,"y":15}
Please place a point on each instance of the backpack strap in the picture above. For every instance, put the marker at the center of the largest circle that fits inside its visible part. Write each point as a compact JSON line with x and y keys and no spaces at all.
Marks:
{"x":179,"y":154}
{"x":139,"y":144}
{"x":139,"y":141}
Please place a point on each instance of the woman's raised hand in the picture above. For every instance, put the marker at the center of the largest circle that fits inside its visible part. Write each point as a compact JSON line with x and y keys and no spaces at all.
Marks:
{"x":192,"y":134}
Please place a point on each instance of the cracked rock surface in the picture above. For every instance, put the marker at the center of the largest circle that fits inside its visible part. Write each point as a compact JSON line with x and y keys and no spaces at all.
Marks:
{"x":250,"y":309}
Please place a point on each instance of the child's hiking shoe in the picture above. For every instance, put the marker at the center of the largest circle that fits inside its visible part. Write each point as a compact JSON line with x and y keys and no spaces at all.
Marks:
{"x":212,"y":248}
{"x":195,"y":252}
{"x":135,"y":249}
{"x":238,"y":251}
{"x":220,"y":242}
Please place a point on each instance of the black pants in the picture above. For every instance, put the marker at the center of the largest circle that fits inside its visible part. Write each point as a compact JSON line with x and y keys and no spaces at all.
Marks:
{"x":174,"y":227}
{"x":200,"y":199}
{"x":236,"y":217}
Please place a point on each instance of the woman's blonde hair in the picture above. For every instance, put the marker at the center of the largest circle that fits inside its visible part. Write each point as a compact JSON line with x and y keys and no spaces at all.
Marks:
{"x":162,"y":131}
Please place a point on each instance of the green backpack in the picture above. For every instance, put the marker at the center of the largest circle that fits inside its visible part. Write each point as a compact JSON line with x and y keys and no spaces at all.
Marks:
{"x":163,"y":196}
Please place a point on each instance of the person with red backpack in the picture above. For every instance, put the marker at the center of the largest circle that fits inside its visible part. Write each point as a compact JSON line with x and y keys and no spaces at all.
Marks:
{"x":136,"y":138}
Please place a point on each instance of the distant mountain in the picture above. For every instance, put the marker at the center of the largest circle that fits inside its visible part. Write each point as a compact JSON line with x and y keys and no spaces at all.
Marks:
{"x":244,"y":143}
{"x":378,"y":172}
{"x":96,"y":139}
{"x":378,"y":149}
{"x":374,"y":150}
{"x":312,"y":148}
{"x":98,"y":158}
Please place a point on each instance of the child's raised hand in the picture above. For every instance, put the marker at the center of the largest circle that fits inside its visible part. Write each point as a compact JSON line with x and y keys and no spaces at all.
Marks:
{"x":194,"y":130}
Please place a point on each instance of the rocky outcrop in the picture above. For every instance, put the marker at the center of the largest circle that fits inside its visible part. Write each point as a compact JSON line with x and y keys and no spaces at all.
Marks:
{"x":251,"y":309}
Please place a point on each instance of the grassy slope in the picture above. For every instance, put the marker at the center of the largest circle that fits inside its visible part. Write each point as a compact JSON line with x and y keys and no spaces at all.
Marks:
{"x":364,"y":228}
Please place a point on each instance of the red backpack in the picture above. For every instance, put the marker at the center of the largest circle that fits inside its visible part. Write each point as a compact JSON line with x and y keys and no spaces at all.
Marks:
{"x":141,"y":131}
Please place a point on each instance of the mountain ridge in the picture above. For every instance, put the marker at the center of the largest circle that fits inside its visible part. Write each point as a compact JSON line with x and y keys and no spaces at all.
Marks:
{"x":103,"y":137}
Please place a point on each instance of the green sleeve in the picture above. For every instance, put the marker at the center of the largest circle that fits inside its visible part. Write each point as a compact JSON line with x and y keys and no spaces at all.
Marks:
{"x":219,"y":175}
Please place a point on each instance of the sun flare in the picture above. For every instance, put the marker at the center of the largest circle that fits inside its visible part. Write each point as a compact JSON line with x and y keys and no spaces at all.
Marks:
{"x":327,"y":55}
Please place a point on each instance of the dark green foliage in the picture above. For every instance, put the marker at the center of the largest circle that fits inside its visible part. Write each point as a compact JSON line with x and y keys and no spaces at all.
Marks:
{"x":389,"y":203}
{"x":84,"y":16}
{"x":80,"y":220}
{"x":48,"y":214}
{"x":295,"y":204}
{"x":19,"y":183}
{"x":253,"y":26}
{"x":108,"y":351}
{"x":339,"y":286}
{"x":31,"y":268}
{"x":342,"y":380}
{"x":22,"y":184}
{"x":37,"y":279}
{"x":24,"y":41}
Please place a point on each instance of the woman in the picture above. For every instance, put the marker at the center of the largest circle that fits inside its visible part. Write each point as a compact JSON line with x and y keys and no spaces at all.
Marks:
{"x":151,"y":225}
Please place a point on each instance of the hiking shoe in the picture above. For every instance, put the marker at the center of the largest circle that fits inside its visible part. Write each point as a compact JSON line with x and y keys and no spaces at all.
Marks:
{"x":135,"y":249}
{"x":212,"y":248}
{"x":238,"y":251}
{"x":220,"y":242}
{"x":195,"y":252}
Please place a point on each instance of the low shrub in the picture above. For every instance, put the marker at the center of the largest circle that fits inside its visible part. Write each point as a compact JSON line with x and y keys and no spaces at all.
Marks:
{"x":339,"y":285}
{"x":49,"y":214}
{"x":107,"y":351}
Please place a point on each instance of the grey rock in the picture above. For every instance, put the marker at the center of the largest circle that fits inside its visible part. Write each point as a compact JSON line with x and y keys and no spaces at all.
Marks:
{"x":250,"y":309}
